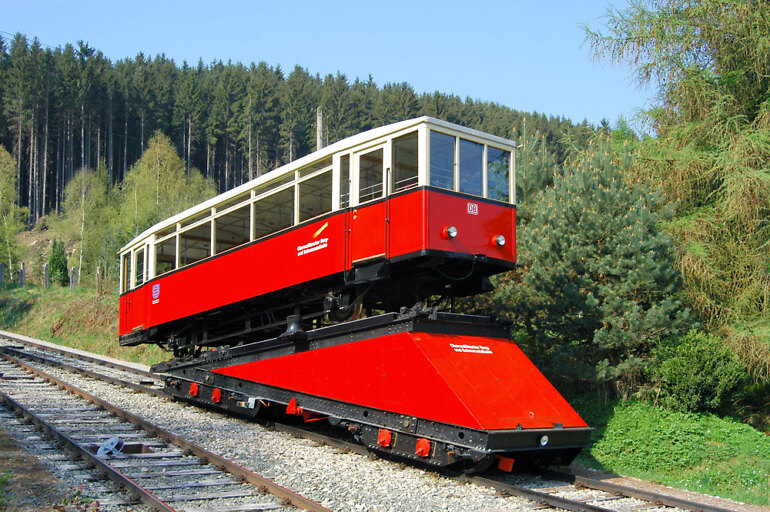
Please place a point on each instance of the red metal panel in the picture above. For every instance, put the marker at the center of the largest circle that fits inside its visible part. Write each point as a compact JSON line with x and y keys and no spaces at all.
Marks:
{"x":132,"y":311}
{"x":477,"y":222}
{"x":304,"y":254}
{"x":406,"y":222}
{"x":368,"y":231}
{"x":480,"y":383}
{"x":123,"y":303}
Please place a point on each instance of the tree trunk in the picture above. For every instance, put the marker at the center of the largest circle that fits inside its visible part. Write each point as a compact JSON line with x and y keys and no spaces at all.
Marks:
{"x":82,"y":223}
{"x":18,"y":160}
{"x":125,"y":141}
{"x":82,"y":136}
{"x":45,"y":155}
{"x":110,"y":148}
{"x":256,"y":144}
{"x":227,"y":161}
{"x":251,"y":168}
{"x":59,"y":165}
{"x":98,"y":145}
{"x":5,"y":230}
{"x":189,"y":143}
{"x":31,"y":175}
{"x":71,"y":170}
{"x":208,"y":158}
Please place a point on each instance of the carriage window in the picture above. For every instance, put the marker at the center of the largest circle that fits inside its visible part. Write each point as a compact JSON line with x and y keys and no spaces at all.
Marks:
{"x":370,"y":176}
{"x":442,"y":160}
{"x":274,"y":212}
{"x":232,"y":229}
{"x":139,"y":268}
{"x":166,"y":231}
{"x":126,"y":267}
{"x":405,"y":162}
{"x":232,"y":202}
{"x":344,"y":181}
{"x":195,"y":244}
{"x":165,"y":256}
{"x":196,"y":218}
{"x":310,"y":169}
{"x":498,"y":166}
{"x":315,"y":196}
{"x":471,"y":167}
{"x":274,"y":184}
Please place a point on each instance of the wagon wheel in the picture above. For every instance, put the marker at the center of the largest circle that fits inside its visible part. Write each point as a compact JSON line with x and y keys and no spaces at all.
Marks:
{"x":346,"y":314}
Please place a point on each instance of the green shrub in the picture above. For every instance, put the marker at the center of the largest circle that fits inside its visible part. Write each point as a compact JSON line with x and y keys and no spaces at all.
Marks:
{"x":57,"y":264}
{"x":696,"y":372}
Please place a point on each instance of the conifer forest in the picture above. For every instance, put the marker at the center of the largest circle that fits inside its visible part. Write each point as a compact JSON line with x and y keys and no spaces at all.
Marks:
{"x":64,"y":109}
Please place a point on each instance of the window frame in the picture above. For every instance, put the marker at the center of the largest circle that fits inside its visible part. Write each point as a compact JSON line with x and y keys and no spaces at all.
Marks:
{"x":486,"y":144}
{"x":382,"y":145}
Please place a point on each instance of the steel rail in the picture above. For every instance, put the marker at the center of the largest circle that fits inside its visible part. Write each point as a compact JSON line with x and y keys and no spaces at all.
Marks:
{"x":277,"y":490}
{"x":653,"y":497}
{"x":88,"y":373}
{"x":540,"y":497}
{"x":133,"y":488}
{"x":24,"y":340}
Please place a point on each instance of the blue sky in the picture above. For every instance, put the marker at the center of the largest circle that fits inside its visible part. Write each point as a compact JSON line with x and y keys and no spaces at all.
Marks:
{"x":529,"y":56}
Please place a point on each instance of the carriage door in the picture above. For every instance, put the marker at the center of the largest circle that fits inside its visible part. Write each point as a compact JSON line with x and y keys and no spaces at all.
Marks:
{"x":368,"y":224}
{"x":125,"y":286}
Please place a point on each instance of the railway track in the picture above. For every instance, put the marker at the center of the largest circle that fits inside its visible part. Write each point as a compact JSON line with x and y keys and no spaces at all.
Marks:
{"x":547,"y":490}
{"x":150,"y":465}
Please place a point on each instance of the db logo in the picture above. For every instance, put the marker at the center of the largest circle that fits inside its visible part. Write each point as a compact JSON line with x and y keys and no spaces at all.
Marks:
{"x":473,"y":209}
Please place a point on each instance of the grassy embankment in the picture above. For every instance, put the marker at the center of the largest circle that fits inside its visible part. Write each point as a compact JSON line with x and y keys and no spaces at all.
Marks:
{"x":77,"y":318}
{"x":700,"y":452}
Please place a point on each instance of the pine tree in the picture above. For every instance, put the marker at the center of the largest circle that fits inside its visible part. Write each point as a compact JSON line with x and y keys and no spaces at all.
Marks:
{"x":335,"y":100}
{"x":396,"y":102}
{"x":261,"y":119}
{"x":599,"y":283}
{"x":57,"y":263}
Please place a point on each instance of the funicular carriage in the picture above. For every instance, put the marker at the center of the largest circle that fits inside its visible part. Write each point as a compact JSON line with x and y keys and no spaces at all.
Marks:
{"x":258,"y":292}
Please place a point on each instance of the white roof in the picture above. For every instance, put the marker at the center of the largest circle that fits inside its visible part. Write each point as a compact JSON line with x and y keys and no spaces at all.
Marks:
{"x":355,"y":140}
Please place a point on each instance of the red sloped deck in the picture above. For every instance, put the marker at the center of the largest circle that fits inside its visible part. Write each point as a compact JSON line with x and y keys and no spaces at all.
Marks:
{"x":474,"y":382}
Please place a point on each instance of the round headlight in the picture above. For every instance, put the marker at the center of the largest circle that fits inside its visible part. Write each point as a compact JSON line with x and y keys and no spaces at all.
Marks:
{"x":543,"y":440}
{"x":450,"y":232}
{"x":500,"y":240}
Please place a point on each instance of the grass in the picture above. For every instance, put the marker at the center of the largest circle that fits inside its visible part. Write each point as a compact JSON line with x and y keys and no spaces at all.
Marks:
{"x":4,"y":477}
{"x":699,"y":452}
{"x":75,"y":318}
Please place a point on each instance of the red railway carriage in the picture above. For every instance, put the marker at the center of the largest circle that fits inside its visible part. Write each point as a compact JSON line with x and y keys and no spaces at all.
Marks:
{"x":381,"y":220}
{"x":258,"y":293}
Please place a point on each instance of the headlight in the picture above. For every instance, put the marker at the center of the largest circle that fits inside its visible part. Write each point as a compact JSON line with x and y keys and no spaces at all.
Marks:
{"x":543,"y":441}
{"x":499,"y":240}
{"x":450,"y":232}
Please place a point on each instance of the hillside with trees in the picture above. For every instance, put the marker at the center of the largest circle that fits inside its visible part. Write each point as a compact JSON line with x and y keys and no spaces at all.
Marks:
{"x":66,"y":109}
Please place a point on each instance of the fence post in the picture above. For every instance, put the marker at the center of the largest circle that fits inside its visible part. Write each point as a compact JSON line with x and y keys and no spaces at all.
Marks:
{"x":47,"y":276}
{"x":99,"y":281}
{"x":72,"y":278}
{"x":22,"y":275}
